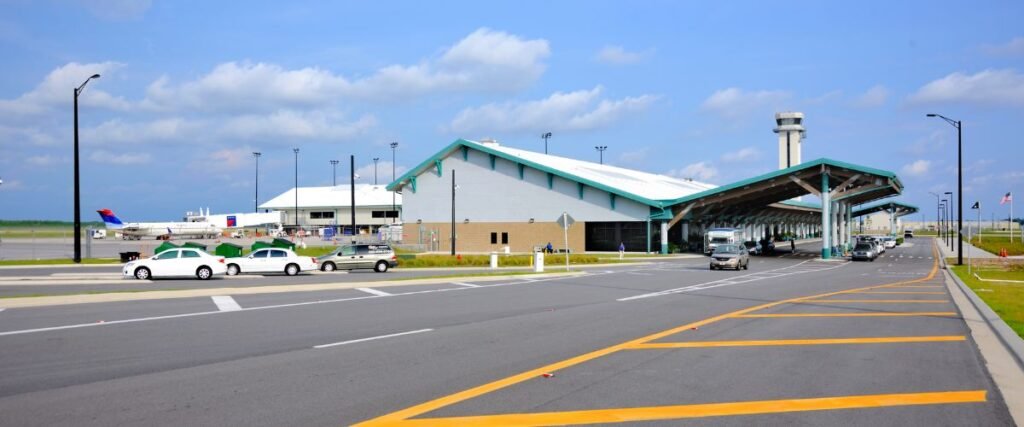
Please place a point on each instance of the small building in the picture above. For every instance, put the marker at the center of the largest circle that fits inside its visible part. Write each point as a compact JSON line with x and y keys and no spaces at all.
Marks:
{"x":327,"y":207}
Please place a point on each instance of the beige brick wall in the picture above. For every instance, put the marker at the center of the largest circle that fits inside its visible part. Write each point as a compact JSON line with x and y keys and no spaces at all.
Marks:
{"x":522,"y":236}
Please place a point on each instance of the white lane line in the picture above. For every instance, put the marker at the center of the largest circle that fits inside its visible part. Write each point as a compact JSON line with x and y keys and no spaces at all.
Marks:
{"x":371,"y":338}
{"x":468,"y":285}
{"x":779,"y":272}
{"x":226,"y":303}
{"x":375,"y":292}
{"x":2,"y":309}
{"x":636,"y":273}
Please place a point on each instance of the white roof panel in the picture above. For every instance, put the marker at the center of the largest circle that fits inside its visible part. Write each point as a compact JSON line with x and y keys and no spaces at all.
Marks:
{"x":331,"y":197}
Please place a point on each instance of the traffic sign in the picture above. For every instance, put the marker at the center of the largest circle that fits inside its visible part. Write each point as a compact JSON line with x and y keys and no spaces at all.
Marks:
{"x":565,"y":220}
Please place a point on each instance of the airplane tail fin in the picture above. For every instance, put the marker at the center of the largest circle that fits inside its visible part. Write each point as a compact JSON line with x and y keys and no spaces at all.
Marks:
{"x":111,"y":220}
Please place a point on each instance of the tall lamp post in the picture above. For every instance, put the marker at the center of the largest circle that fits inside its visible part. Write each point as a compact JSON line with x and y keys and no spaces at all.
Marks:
{"x":937,"y":214}
{"x":600,"y":149}
{"x":256,"y":201}
{"x":334,"y":173}
{"x":945,"y":221}
{"x":950,"y":216}
{"x":959,"y":184}
{"x":296,"y":151}
{"x":453,"y":211}
{"x":546,"y":136}
{"x":375,"y":159}
{"x":78,"y":195}
{"x":394,"y":209}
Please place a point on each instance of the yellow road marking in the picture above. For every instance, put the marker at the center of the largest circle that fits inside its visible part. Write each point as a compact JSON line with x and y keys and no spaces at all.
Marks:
{"x":916,"y":287}
{"x":404,"y":414}
{"x":654,"y":413}
{"x":901,"y":293}
{"x":822,"y":341}
{"x":912,"y":313}
{"x":881,"y":301}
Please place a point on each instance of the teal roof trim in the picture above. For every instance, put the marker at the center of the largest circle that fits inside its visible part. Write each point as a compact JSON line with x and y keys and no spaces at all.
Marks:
{"x":882,"y":207}
{"x":397,"y":184}
{"x":788,"y":171}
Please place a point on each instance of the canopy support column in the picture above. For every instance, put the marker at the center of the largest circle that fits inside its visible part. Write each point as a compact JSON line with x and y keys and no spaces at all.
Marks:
{"x":664,"y":237}
{"x":826,"y":216}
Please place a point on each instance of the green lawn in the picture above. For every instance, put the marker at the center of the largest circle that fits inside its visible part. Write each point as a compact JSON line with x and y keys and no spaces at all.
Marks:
{"x":994,"y":243}
{"x":1006,"y":299}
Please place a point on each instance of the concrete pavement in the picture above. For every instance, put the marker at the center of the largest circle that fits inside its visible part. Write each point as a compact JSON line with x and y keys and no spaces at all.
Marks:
{"x":482,"y":348}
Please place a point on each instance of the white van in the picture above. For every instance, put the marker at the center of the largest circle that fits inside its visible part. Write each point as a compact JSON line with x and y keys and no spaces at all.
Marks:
{"x":721,"y":236}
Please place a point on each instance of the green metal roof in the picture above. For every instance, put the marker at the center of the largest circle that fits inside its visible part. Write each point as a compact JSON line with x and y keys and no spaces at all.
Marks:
{"x":901,"y":209}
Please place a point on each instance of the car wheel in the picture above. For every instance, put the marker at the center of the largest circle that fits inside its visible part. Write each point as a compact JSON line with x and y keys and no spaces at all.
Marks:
{"x":712,"y":268}
{"x":746,"y":266}
{"x":291,"y":269}
{"x":329,"y":266}
{"x":204,"y":273}
{"x":142,"y":273}
{"x":381,"y":267}
{"x":233,"y":270}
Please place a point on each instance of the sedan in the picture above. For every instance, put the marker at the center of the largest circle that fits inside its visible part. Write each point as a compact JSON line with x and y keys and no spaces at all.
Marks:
{"x":271,"y":260}
{"x":184,"y":262}
{"x":730,"y":256}
{"x":864,"y":251}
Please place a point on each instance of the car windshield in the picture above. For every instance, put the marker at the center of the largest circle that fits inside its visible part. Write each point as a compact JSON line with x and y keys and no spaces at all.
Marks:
{"x":719,"y":240}
{"x":727,"y":249}
{"x":862,"y":248}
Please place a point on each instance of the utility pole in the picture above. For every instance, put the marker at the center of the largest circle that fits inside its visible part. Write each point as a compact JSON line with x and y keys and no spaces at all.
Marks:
{"x":296,"y":151}
{"x":394,"y":209}
{"x":600,"y":149}
{"x":375,"y":159}
{"x":352,"y":177}
{"x":256,"y":201}
{"x":546,"y":136}
{"x":334,"y":172}
{"x":78,"y":195}
{"x":453,"y":212}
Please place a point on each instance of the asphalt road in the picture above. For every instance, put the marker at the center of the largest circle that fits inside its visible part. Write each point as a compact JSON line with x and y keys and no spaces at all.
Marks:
{"x":304,"y":358}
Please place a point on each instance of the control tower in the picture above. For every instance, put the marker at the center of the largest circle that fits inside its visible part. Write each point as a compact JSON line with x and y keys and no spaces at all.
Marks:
{"x":789,"y":126}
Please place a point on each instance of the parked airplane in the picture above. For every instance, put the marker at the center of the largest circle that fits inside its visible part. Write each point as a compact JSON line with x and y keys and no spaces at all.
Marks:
{"x":159,"y":230}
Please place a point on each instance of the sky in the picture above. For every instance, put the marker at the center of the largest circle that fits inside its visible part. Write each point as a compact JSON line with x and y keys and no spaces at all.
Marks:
{"x":189,"y":89}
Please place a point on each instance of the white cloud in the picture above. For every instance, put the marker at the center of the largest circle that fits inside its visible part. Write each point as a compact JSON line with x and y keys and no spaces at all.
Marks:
{"x":12,"y":136}
{"x":365,"y":172}
{"x":486,"y":60}
{"x":744,"y":154}
{"x":930,"y":143}
{"x":119,"y":158}
{"x":291,"y":125}
{"x":45,"y":160}
{"x":1012,"y":48}
{"x":874,"y":97}
{"x":700,"y":171}
{"x":11,"y":185}
{"x":117,"y":10}
{"x":734,"y":102}
{"x":917,"y":168}
{"x":56,"y":90}
{"x":617,"y":55}
{"x":118,"y":131}
{"x":635,"y":156}
{"x":579,"y":110}
{"x":226,"y":159}
{"x":991,"y":87}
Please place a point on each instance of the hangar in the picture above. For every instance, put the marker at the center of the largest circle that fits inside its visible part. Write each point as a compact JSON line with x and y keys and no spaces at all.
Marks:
{"x":499,"y":197}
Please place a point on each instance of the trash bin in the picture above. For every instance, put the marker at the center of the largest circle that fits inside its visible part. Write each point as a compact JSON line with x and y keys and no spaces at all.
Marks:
{"x":538,"y":262}
{"x":164,"y":246}
{"x":283,"y":243}
{"x":260,"y":245}
{"x":228,"y":250}
{"x":494,"y":260}
{"x":194,"y":245}
{"x":129,"y":256}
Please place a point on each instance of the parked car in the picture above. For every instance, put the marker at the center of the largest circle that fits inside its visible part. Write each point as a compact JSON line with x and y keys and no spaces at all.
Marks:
{"x":767,"y":246}
{"x":908,"y":234}
{"x":889,"y":242}
{"x":753,"y":248}
{"x":379,"y":258}
{"x":864,"y":251}
{"x":730,"y":256}
{"x":272,"y":260}
{"x":183,"y":262}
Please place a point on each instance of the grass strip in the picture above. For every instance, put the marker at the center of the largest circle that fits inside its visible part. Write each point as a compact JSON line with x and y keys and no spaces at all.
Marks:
{"x":1006,"y":299}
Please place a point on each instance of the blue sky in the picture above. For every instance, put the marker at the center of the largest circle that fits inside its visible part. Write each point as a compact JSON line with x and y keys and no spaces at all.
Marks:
{"x":190,"y":89}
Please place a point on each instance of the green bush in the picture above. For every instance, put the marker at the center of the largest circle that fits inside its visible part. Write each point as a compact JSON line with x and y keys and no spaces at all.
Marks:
{"x":899,"y":241}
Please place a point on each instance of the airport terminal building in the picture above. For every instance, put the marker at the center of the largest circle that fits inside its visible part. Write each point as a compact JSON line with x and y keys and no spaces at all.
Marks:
{"x":315,"y":208}
{"x":506,"y":197}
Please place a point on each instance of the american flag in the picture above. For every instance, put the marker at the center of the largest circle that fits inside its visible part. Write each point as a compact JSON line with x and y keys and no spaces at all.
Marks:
{"x":1006,"y":199}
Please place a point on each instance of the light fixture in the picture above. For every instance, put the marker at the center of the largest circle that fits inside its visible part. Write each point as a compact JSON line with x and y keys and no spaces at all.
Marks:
{"x":419,"y":221}
{"x":466,"y":221}
{"x":531,"y":220}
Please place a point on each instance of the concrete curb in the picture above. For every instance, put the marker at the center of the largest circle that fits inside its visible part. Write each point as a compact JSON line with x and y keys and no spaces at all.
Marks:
{"x":1013,"y":343}
{"x":253,"y":290}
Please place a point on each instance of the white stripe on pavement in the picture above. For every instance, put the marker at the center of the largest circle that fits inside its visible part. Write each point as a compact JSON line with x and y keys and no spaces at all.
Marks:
{"x":736,"y":280}
{"x":372,"y":338}
{"x":226,"y":303}
{"x":375,"y":292}
{"x":468,"y":285}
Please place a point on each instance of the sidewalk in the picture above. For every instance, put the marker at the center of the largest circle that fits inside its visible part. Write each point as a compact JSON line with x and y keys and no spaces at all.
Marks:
{"x":969,"y":250}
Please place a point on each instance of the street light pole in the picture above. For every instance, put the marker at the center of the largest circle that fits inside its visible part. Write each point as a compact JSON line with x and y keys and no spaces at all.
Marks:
{"x":296,"y":151}
{"x":78,"y":195}
{"x":950,"y":207}
{"x":394,"y":209}
{"x":959,"y":184}
{"x":945,"y":222}
{"x":453,"y":212}
{"x":334,"y":172}
{"x":352,"y":192}
{"x":375,"y":159}
{"x":256,"y":201}
{"x":546,"y":136}
{"x":600,"y":149}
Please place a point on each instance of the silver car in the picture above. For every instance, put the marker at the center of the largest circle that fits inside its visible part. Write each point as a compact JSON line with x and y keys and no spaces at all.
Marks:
{"x":374,"y":257}
{"x":730,"y":256}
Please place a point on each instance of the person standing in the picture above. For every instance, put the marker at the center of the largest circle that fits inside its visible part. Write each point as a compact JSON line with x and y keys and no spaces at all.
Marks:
{"x":622,"y":249}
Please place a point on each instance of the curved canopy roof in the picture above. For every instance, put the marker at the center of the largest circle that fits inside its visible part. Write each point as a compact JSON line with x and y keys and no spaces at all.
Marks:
{"x":897,"y":208}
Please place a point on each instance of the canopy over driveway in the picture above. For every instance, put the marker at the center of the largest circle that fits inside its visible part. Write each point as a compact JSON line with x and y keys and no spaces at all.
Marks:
{"x":894,"y":209}
{"x":839,"y":185}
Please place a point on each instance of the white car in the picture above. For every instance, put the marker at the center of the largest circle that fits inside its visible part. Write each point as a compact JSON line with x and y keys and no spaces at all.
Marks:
{"x":890,"y":243}
{"x":183,"y":262}
{"x":271,"y":260}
